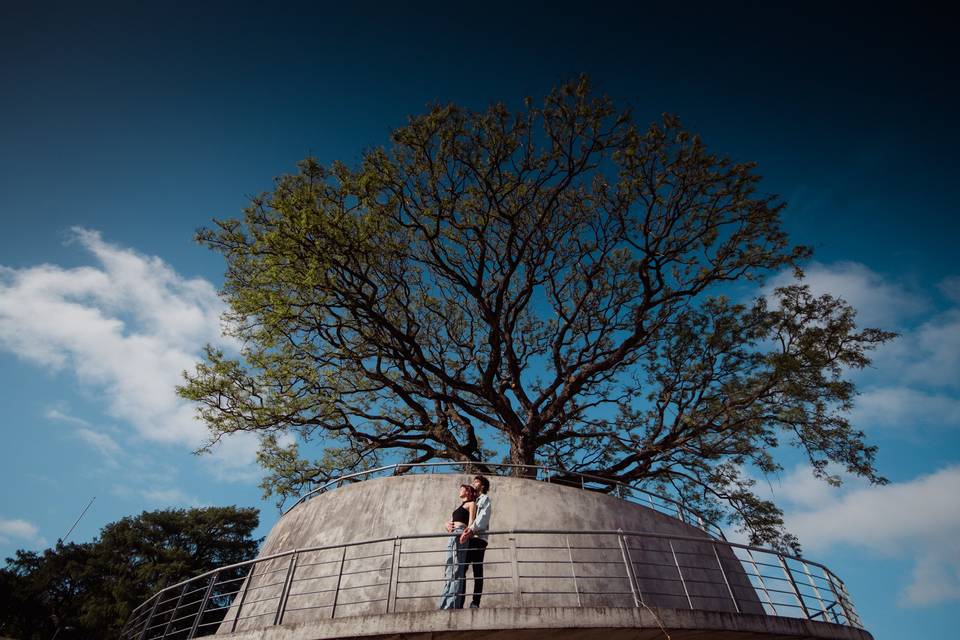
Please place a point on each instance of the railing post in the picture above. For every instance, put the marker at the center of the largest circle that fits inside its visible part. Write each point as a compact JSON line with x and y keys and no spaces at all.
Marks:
{"x":848,"y":601}
{"x":285,"y":589}
{"x":680,"y":573}
{"x":763,"y":585}
{"x":392,"y":585}
{"x":129,"y":624}
{"x":173,"y":615}
{"x":153,"y":610}
{"x":243,"y":596}
{"x":203,"y":605}
{"x":336,"y":591}
{"x":816,"y":591}
{"x":839,"y":597}
{"x":517,"y":592}
{"x":793,"y":583}
{"x":725,"y":581}
{"x":628,"y":564}
{"x":573,"y":571}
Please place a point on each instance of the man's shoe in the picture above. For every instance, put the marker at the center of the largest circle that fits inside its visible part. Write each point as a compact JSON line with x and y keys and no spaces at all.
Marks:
{"x":474,"y":605}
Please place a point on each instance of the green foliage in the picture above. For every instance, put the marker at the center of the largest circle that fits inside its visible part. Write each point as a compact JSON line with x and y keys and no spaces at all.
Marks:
{"x":93,"y":587}
{"x":548,"y":280}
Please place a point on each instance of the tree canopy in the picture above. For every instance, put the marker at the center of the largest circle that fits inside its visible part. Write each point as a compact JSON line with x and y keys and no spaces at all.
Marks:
{"x":91,"y":588}
{"x":553,"y":282}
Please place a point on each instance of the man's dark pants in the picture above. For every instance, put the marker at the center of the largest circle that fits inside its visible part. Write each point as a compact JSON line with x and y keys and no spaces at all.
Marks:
{"x":475,"y":551}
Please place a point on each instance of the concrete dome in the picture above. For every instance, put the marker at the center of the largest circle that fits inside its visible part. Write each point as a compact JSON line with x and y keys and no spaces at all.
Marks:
{"x":659,"y":564}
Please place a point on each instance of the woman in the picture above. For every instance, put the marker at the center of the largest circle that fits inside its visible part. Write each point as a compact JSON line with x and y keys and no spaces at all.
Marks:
{"x":455,"y":570}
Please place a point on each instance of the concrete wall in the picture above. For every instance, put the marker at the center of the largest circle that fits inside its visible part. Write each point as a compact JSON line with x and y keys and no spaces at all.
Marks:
{"x":420,"y":504}
{"x":559,"y":623}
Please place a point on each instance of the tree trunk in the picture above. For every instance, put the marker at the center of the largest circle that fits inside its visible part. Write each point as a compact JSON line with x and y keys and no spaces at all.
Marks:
{"x":522,"y":452}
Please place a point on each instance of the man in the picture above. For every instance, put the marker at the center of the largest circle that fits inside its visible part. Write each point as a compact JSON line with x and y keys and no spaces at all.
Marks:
{"x":477,"y":537}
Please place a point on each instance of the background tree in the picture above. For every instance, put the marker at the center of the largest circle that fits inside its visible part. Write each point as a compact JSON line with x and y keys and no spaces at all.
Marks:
{"x":92,"y":587}
{"x":548,"y":282}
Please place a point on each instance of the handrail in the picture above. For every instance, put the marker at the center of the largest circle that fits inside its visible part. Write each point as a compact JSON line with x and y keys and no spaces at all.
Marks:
{"x":416,"y":536}
{"x":679,"y":511}
{"x":742,"y":570}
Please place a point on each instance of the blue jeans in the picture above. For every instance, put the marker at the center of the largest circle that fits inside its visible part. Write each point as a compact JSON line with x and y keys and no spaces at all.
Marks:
{"x":455,"y":572}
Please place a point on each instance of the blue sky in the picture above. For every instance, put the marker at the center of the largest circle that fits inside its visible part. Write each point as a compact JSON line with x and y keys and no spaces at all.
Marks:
{"x":123,"y":130}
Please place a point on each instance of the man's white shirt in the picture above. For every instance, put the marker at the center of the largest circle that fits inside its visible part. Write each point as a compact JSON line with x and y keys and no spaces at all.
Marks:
{"x":481,"y":524}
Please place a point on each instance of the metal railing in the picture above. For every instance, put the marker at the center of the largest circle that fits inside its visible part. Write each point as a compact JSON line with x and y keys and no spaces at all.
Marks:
{"x":658,"y":502}
{"x":522,"y":568}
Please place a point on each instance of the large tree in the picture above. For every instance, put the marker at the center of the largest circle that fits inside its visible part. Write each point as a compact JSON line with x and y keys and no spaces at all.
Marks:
{"x":88,"y":590}
{"x":551,"y":282}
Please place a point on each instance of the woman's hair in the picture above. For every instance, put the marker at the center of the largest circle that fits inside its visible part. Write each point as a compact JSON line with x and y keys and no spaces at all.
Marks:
{"x":471,"y":492}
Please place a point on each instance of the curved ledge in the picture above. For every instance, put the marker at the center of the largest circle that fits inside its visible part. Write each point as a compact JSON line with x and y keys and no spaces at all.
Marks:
{"x":633,"y":493}
{"x":563,"y":623}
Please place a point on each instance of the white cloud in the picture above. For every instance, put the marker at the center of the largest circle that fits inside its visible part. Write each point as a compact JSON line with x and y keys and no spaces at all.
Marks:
{"x":924,"y":358}
{"x":21,"y":530}
{"x":103,"y":443}
{"x":800,"y":489}
{"x":178,"y":311}
{"x":170,"y":497}
{"x":904,"y":409}
{"x":231,"y":458}
{"x":879,"y":301}
{"x":58,"y":415}
{"x":18,"y":529}
{"x":933,"y":581}
{"x":950,"y":288}
{"x":927,"y":355}
{"x":125,"y":330}
{"x":932,"y":352}
{"x":916,"y":520}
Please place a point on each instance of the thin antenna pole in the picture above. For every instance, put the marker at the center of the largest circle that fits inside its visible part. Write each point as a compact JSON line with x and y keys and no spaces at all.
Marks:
{"x":80,"y":518}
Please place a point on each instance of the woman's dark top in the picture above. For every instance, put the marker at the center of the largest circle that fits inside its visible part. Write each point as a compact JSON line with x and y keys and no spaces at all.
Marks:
{"x":461,"y":514}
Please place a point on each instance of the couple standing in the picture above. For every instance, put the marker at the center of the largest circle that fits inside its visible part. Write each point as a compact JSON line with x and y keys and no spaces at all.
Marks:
{"x":468,"y":524}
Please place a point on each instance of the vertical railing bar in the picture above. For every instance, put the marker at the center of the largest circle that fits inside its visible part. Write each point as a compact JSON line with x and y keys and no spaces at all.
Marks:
{"x":633,"y":572}
{"x":129,"y":624}
{"x":816,"y":591}
{"x":336,"y":592}
{"x":725,"y":581}
{"x":203,"y":605}
{"x":763,"y":584}
{"x":854,"y":617}
{"x":243,"y":596}
{"x":394,"y":575}
{"x":680,"y":573}
{"x":796,"y":590}
{"x":137,"y":627}
{"x":840,"y":598}
{"x":517,"y":593}
{"x":285,"y":589}
{"x":173,"y":615}
{"x":628,"y":566}
{"x":396,"y":586}
{"x":153,"y":610}
{"x":573,"y":571}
